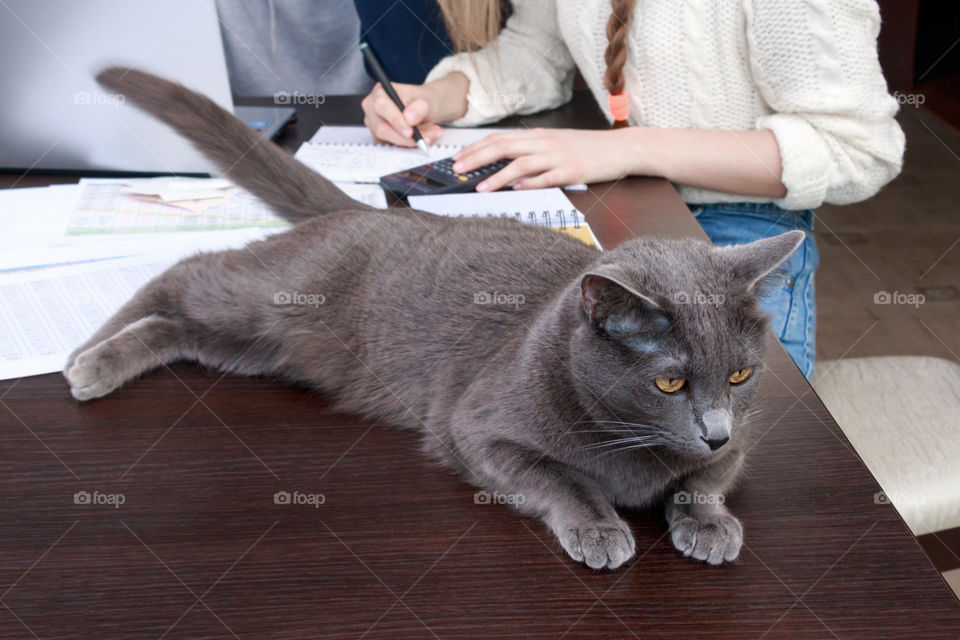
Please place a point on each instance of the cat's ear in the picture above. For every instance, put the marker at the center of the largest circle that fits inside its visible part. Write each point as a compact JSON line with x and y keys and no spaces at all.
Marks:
{"x":751,"y":263}
{"x":614,"y":307}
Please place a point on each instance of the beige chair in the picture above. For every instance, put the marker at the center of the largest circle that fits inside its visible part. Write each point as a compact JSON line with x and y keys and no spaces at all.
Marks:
{"x":902,"y":415}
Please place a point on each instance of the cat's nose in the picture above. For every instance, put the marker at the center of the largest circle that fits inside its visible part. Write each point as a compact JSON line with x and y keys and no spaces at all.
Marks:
{"x":715,"y":443}
{"x":716,"y":430}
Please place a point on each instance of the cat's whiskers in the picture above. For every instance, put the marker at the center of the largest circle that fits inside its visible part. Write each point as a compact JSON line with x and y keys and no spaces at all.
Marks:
{"x":634,"y":447}
{"x":626,"y":435}
{"x":750,"y":416}
{"x":618,"y":441}
{"x":640,"y":424}
{"x":620,"y":426}
{"x":637,"y":431}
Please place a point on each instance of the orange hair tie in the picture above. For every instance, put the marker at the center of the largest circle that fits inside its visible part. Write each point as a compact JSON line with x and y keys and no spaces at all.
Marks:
{"x":619,"y":105}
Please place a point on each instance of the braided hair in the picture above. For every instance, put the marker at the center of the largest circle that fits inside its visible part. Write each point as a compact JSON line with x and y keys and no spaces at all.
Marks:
{"x":615,"y":57}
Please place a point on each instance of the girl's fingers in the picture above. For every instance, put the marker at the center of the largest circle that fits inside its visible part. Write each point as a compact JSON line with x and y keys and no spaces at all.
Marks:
{"x":473,"y":148}
{"x":494,"y":141}
{"x":497,"y":148}
{"x":383,"y":133}
{"x":416,"y":111}
{"x":429,"y":132}
{"x":497,"y":138}
{"x":552,"y":178}
{"x":390,"y":125}
{"x":384,"y":107}
{"x":523,"y":166}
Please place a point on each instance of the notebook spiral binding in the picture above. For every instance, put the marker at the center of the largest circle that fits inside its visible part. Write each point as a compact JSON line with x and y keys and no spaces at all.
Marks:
{"x":545,"y":218}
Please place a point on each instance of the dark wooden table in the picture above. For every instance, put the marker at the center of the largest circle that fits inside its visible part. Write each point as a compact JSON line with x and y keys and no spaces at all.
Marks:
{"x":398,"y":549}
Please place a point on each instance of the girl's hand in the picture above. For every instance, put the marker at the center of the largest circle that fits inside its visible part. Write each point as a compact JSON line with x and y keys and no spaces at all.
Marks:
{"x":426,"y":105}
{"x":547,"y":158}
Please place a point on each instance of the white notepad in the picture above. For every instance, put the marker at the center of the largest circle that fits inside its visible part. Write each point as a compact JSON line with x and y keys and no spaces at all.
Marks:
{"x":452,"y":136}
{"x":349,"y":154}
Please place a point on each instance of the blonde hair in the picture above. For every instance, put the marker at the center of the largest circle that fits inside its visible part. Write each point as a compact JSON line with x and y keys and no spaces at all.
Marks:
{"x":471,"y":24}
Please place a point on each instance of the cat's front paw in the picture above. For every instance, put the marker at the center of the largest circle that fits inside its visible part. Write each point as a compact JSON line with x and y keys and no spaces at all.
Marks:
{"x":712,"y":537}
{"x":91,"y":375}
{"x":599,"y":544}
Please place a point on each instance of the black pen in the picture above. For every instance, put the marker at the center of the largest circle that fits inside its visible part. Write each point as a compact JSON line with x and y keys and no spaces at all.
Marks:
{"x":384,"y":81}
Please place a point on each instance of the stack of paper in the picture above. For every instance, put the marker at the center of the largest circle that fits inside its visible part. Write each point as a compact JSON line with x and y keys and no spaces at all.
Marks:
{"x":70,"y":255}
{"x":45,"y":315}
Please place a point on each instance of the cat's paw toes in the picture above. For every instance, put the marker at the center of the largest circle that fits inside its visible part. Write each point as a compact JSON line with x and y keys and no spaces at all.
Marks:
{"x":715,"y":538}
{"x":605,"y":544}
{"x":91,"y":375}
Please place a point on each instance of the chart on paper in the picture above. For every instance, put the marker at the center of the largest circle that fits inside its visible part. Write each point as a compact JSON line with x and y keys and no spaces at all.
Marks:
{"x":109,"y":207}
{"x":105,"y":207}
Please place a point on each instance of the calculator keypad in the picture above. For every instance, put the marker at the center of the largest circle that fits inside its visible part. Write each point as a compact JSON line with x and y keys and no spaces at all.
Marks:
{"x":438,"y":177}
{"x":445,"y":167}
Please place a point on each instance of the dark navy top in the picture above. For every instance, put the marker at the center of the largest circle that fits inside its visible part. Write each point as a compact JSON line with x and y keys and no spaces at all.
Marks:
{"x":409,"y":37}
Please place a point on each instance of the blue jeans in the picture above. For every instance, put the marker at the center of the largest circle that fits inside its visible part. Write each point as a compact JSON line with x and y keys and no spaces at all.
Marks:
{"x":790,"y":303}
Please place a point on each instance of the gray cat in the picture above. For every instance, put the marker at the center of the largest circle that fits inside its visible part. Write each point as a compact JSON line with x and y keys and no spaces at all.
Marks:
{"x":564,"y":380}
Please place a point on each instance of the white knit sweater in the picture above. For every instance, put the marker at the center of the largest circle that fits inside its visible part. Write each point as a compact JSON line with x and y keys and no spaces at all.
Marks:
{"x":807,"y":70}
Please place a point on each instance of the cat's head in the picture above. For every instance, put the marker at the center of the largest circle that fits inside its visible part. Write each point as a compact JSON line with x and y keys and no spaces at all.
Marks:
{"x":670,"y":336}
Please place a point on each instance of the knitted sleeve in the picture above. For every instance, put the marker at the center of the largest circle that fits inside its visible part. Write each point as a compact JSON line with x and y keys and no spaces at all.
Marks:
{"x":527,"y":69}
{"x":815,"y":63}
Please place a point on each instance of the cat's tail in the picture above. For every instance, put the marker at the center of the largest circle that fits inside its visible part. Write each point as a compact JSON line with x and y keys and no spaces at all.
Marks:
{"x":289,"y":187}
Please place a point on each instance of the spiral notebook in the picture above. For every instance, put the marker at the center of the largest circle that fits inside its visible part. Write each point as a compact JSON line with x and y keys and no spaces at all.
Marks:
{"x":544,"y":207}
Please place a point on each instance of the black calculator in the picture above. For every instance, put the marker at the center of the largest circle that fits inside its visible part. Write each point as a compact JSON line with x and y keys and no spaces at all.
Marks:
{"x":437,"y":177}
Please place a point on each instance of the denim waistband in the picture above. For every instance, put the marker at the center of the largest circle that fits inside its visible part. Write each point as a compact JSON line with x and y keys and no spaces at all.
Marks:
{"x":795,"y":218}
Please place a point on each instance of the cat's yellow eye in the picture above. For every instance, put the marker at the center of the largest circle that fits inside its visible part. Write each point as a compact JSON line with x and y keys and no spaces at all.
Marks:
{"x":670,"y":385}
{"x":740,"y":375}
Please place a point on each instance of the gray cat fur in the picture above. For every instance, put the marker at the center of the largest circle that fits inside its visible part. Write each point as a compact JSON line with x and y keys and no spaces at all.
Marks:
{"x":525,"y":358}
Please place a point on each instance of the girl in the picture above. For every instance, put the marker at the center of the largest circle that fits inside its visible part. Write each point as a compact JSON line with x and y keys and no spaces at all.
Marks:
{"x":758,"y":111}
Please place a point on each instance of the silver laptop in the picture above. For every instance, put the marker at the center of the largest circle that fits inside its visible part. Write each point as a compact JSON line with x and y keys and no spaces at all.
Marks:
{"x":53,"y":115}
